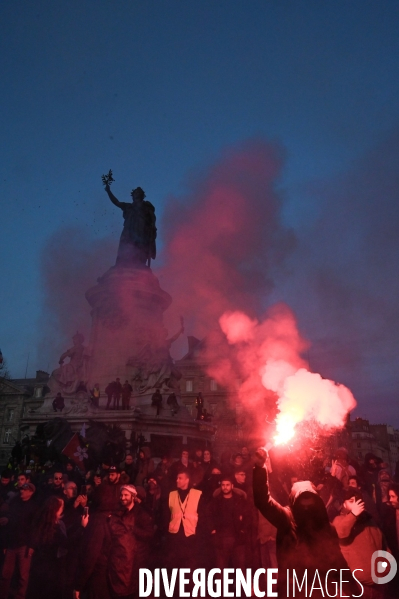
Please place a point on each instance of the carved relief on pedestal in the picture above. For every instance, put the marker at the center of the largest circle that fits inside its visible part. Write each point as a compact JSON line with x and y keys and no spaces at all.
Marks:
{"x":153,"y":367}
{"x":110,"y":314}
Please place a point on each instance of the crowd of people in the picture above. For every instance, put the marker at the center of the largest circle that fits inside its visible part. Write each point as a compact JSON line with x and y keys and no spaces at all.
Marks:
{"x":67,"y":533}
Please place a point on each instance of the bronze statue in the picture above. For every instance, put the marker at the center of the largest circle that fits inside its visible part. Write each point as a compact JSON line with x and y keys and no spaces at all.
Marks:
{"x":137,"y":241}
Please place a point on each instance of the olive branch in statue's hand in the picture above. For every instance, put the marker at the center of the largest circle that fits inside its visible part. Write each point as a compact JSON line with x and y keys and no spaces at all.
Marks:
{"x":107,"y":179}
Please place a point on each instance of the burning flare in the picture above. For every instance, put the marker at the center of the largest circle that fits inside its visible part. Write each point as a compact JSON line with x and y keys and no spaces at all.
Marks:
{"x":305,"y":395}
{"x":270,"y":352}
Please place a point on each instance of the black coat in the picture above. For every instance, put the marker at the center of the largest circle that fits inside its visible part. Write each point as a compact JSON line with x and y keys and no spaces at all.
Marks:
{"x":296,"y":548}
{"x":95,"y":548}
{"x":240,"y":520}
{"x":131,"y":533}
{"x":20,"y":517}
{"x":47,"y":571}
{"x":119,"y":543}
{"x":105,"y":497}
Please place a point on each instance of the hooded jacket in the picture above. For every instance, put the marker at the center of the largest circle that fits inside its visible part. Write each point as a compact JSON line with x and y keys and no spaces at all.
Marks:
{"x":305,"y":539}
{"x":145,"y":467}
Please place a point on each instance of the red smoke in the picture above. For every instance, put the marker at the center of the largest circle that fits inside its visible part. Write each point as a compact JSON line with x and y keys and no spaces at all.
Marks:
{"x":223,"y":245}
{"x":269,"y":355}
{"x":224,"y":242}
{"x":225,"y":239}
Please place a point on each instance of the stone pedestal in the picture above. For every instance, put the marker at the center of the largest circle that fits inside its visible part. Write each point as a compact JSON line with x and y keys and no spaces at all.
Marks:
{"x":127,"y":315}
{"x":129,"y":341}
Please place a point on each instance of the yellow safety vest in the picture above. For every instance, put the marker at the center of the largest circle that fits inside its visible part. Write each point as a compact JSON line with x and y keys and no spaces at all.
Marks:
{"x":186,"y":512}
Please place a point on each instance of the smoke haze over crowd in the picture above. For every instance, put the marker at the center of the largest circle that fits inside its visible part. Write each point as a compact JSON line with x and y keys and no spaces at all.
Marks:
{"x":227,"y":247}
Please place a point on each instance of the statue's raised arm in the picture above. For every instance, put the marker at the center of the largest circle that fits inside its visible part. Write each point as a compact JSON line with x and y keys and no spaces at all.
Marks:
{"x":113,"y":199}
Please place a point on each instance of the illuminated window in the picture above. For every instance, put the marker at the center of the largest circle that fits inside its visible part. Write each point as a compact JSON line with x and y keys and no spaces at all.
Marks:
{"x":7,"y":435}
{"x":213,"y":385}
{"x":38,"y":392}
{"x":189,"y":386}
{"x":10,"y":415}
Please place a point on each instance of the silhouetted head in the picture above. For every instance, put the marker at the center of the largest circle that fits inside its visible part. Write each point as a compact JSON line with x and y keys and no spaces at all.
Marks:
{"x":308,"y":508}
{"x":138,"y":194}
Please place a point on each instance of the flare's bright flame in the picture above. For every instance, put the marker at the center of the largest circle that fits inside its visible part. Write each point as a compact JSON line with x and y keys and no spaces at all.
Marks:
{"x":305,"y":396}
{"x":285,"y":429}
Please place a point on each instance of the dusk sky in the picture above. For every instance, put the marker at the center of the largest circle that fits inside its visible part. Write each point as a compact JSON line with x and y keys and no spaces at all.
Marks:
{"x":161,"y":92}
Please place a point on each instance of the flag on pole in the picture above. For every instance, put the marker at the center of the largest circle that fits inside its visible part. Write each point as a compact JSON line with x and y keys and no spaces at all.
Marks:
{"x":76,"y":451}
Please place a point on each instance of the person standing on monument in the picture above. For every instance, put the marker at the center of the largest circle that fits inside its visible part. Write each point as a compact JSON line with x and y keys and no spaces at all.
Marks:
{"x":95,"y":395}
{"x":137,"y":242}
{"x":58,"y":403}
{"x":127,"y":391}
{"x":172,"y":403}
{"x":156,"y":401}
{"x":117,"y":393}
{"x":109,"y":390}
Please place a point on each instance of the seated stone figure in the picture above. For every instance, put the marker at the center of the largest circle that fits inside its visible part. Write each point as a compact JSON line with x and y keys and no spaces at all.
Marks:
{"x":68,"y":376}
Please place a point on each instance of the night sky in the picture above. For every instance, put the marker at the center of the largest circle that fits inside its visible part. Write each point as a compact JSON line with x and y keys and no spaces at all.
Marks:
{"x":159,"y":92}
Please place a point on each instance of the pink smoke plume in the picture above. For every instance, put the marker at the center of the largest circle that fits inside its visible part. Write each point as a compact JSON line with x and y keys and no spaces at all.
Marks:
{"x":269,"y":355}
{"x":225,"y":238}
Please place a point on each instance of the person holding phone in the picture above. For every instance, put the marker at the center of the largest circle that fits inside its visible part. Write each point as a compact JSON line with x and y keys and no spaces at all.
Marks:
{"x":115,"y":546}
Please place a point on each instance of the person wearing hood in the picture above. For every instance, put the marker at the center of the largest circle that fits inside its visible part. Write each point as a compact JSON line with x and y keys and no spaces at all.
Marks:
{"x":145,"y":466}
{"x":369,"y":474}
{"x":305,"y":539}
{"x":129,"y":467}
{"x":359,"y":538}
{"x":162,"y":476}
